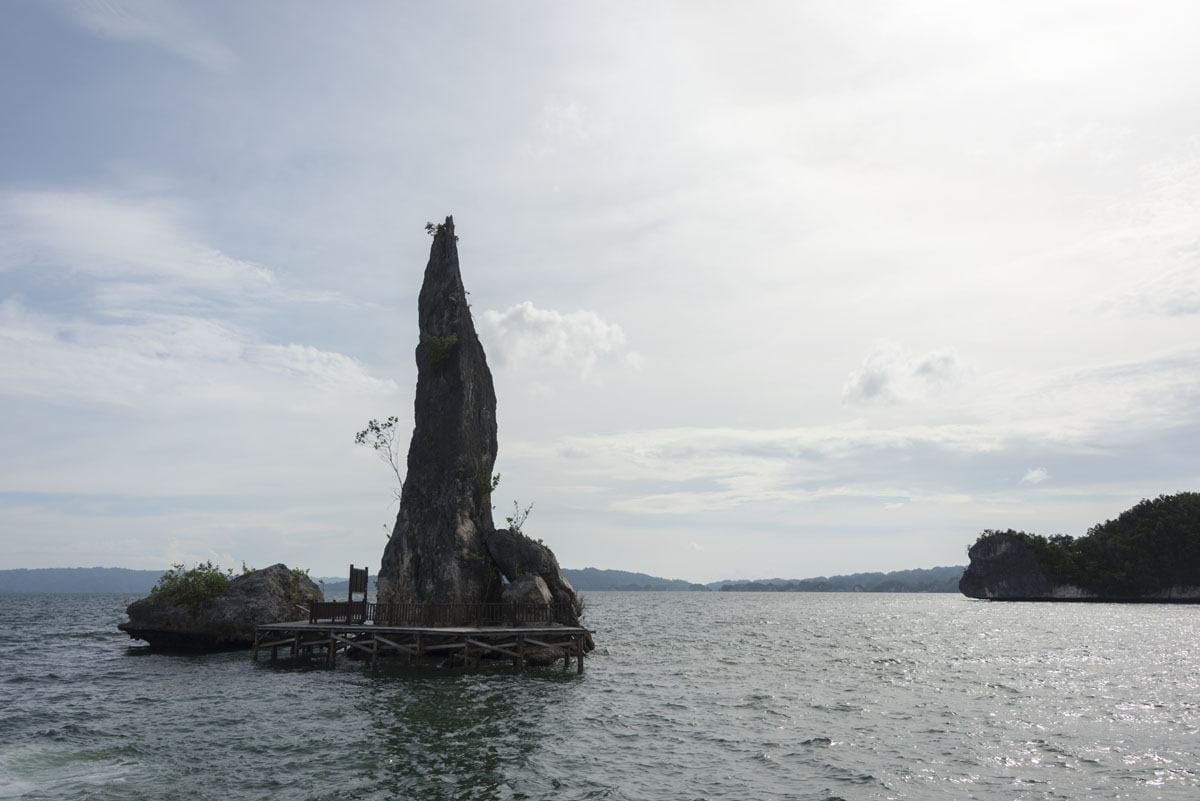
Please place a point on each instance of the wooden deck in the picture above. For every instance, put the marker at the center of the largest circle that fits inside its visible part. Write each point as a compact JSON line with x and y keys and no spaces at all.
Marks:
{"x":324,"y":639}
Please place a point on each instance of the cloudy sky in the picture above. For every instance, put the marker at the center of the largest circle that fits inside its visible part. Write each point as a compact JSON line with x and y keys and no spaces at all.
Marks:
{"x":772,"y":289}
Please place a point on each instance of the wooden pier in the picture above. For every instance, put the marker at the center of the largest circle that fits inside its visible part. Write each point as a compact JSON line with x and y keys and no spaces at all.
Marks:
{"x":519,"y":633}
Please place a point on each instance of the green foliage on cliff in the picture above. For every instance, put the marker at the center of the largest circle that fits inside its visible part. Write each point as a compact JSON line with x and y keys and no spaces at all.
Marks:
{"x":439,"y":348}
{"x":292,"y":584}
{"x":194,"y":587}
{"x":1149,"y":548}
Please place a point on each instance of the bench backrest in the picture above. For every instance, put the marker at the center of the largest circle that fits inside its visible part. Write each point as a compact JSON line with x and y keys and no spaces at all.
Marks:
{"x":358,"y":582}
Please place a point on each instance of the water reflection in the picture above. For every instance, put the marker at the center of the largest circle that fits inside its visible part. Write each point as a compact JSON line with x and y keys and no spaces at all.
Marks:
{"x":464,"y":736}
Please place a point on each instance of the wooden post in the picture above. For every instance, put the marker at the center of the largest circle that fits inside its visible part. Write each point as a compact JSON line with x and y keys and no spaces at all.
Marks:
{"x":579,"y":653}
{"x":566,"y":659}
{"x":257,"y":635}
{"x":519,"y":662}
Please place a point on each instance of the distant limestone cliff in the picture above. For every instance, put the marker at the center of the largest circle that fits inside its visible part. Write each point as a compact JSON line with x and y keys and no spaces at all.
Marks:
{"x":1150,"y":553}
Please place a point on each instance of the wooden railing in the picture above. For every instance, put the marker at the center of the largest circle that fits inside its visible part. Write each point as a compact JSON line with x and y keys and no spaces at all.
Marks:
{"x":339,"y":611}
{"x":435,"y":615}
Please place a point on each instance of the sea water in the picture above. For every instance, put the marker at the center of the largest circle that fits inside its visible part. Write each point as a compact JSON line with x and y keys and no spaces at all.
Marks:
{"x":688,"y":696}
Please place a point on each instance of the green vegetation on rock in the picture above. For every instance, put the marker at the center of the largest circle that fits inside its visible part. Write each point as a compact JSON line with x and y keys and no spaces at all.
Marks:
{"x":438,"y":348}
{"x":293,"y":588}
{"x":1146,"y":550}
{"x":194,"y":587}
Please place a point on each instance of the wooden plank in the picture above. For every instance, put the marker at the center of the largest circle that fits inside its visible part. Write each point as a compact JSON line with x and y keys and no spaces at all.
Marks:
{"x":455,"y":646}
{"x":275,"y":643}
{"x":541,"y":644}
{"x":407,"y":649}
{"x":352,"y":643}
{"x":496,"y":648}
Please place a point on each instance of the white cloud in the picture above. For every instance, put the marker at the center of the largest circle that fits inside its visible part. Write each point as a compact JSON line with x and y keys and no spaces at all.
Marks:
{"x":892,"y":374}
{"x":1174,"y":292}
{"x":1153,"y":246}
{"x":574,"y":341}
{"x":157,"y":360}
{"x":1035,"y":475}
{"x":572,"y":121}
{"x":118,"y":239}
{"x":154,"y":322}
{"x":752,"y":199}
{"x":159,"y":23}
{"x":1075,"y":414}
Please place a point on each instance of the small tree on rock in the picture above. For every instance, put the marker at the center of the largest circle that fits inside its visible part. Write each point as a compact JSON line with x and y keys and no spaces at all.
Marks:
{"x":381,"y":438}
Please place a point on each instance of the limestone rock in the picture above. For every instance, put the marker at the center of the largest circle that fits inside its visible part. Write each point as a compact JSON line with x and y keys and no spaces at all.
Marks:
{"x":527,"y":590}
{"x":1150,"y":553}
{"x":227,"y":622}
{"x":437,"y":552}
{"x":445,"y":547}
{"x":1003,"y":566}
{"x":517,"y":556}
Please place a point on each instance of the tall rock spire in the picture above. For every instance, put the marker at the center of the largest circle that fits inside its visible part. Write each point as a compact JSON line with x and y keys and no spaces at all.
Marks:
{"x":438,"y":549}
{"x":445,"y":547}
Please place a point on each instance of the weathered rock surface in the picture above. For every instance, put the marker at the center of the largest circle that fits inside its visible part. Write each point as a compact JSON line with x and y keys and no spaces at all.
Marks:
{"x":527,"y":590}
{"x":437,"y":550}
{"x":445,"y":547}
{"x":227,"y":622}
{"x":517,"y":557}
{"x":1004,"y":566}
{"x":1149,"y":554}
{"x":520,"y":559}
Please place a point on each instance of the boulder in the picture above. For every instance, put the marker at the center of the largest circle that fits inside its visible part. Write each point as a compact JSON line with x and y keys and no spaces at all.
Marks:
{"x":520,"y":558}
{"x":227,"y":622}
{"x":527,"y":590}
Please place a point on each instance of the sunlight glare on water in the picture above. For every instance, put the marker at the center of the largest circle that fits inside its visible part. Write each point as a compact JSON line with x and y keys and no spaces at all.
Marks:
{"x":689,"y":696}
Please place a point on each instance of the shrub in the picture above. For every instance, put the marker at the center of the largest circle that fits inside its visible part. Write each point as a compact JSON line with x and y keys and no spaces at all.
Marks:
{"x":292,"y":590}
{"x":438,"y":348}
{"x":194,"y":587}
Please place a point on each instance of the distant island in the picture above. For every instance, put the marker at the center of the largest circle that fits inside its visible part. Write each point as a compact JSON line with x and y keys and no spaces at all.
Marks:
{"x":1150,"y":553}
{"x":932,"y":579}
{"x":588,"y":579}
{"x":595,"y":580}
{"x":78,"y":579}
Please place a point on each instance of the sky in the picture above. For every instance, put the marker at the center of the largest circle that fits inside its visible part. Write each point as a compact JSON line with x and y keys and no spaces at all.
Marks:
{"x":768,"y":289}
